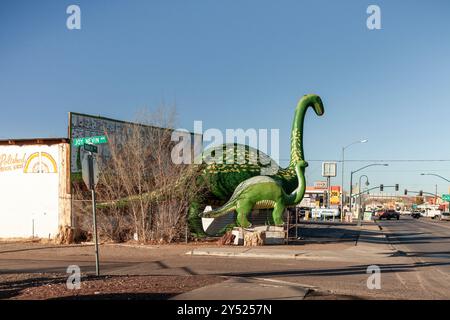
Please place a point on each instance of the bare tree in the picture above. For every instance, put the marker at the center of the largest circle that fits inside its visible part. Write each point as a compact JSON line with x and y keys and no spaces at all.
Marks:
{"x":148,"y":195}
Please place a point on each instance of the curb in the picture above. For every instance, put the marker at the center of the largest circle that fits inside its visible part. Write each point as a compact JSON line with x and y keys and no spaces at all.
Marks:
{"x":245,"y":254}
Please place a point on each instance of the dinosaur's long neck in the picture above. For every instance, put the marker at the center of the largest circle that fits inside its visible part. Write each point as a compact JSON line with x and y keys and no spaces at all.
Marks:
{"x":309,"y":100}
{"x":297,"y":196}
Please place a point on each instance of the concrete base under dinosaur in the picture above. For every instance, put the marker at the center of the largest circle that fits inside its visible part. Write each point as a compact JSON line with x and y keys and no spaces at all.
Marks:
{"x":212,"y":226}
{"x":273,"y":235}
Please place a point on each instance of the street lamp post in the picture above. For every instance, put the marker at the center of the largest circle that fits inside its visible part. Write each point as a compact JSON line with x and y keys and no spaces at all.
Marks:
{"x":342,"y":174}
{"x":351,"y":178}
{"x":433,"y":174}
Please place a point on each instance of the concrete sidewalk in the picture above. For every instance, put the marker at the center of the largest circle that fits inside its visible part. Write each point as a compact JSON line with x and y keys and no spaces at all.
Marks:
{"x":370,"y":244}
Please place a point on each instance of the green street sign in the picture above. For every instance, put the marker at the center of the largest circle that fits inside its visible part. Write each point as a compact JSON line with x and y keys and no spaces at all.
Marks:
{"x":91,"y":148}
{"x":446,"y":197}
{"x":78,"y":142}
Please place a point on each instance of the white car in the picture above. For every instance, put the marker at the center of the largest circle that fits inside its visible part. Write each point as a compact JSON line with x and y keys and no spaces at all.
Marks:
{"x":433,"y":214}
{"x":444,"y":216}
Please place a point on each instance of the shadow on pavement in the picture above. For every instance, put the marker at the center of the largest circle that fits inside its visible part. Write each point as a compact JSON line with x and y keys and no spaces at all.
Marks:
{"x":350,"y":270}
{"x":47,"y":247}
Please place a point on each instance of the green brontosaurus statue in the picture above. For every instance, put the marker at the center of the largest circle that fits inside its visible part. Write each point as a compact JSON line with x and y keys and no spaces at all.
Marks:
{"x":222,"y":179}
{"x":262,"y":192}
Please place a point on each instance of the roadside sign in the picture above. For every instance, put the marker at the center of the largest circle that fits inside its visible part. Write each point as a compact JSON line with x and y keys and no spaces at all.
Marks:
{"x":446,"y":197}
{"x":322,"y":185}
{"x":90,"y":148}
{"x":78,"y":142}
{"x":322,"y":213}
{"x":329,"y":169}
{"x":90,"y":180}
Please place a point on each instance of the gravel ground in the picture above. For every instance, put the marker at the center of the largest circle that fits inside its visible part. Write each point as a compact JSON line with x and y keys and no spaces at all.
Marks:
{"x":41,"y":286}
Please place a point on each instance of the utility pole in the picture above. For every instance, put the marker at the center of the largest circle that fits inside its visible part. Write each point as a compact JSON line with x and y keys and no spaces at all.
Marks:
{"x":342,"y":186}
{"x":435,"y":197}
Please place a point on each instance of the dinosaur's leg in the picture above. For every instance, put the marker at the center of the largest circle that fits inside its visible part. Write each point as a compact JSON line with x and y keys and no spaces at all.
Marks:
{"x":277,"y":213}
{"x":195,"y":221}
{"x":243,"y":209}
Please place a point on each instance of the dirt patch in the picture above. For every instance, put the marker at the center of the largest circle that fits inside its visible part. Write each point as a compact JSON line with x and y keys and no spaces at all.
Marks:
{"x":42,"y":286}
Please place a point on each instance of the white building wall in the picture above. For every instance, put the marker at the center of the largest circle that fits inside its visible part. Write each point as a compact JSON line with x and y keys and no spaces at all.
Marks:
{"x":29,"y":190}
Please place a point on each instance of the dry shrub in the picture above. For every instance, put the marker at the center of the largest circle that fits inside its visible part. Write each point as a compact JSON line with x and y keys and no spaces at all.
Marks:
{"x":148,"y":195}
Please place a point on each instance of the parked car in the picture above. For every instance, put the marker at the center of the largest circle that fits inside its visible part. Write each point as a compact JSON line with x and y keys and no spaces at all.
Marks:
{"x":445,"y":216}
{"x":416,"y":214}
{"x":389,"y":214}
{"x":377,"y":213}
{"x":433,"y":214}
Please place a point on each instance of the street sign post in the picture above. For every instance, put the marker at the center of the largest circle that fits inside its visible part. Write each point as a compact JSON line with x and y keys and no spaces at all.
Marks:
{"x":90,"y":177}
{"x":85,"y":173}
{"x":90,"y":148}
{"x":328,"y":171}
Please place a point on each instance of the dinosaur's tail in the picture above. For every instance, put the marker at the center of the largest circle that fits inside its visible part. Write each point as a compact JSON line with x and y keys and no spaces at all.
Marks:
{"x":156,"y":195}
{"x":226,"y":208}
{"x":123,"y":202}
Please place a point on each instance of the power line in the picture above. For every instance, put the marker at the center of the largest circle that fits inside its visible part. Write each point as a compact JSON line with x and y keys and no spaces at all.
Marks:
{"x":405,"y":171}
{"x":376,"y":160}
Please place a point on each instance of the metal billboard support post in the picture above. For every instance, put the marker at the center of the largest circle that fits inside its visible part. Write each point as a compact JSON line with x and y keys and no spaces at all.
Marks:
{"x":328,"y":192}
{"x":94,"y":213}
{"x":328,"y":171}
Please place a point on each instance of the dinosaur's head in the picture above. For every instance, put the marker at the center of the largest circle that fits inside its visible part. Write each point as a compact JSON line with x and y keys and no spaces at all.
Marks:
{"x":314,"y":101}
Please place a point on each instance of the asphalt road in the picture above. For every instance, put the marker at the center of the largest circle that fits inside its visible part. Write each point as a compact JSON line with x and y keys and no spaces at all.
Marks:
{"x":427,"y":243}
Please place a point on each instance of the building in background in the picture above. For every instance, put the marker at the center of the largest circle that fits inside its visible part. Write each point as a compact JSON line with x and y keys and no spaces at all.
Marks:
{"x":34,"y":187}
{"x":316,"y":196}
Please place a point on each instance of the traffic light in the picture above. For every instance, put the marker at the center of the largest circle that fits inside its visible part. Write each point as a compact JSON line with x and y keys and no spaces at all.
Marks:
{"x":396,"y":187}
{"x":381,"y":187}
{"x":406,"y":192}
{"x":420,"y":193}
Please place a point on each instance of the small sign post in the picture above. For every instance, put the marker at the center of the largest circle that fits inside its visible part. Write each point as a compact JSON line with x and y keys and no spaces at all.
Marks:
{"x":90,"y":148}
{"x":328,"y":171}
{"x":90,"y":177}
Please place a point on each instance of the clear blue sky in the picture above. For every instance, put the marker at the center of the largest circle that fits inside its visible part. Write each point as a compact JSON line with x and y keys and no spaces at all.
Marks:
{"x":241,"y":64}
